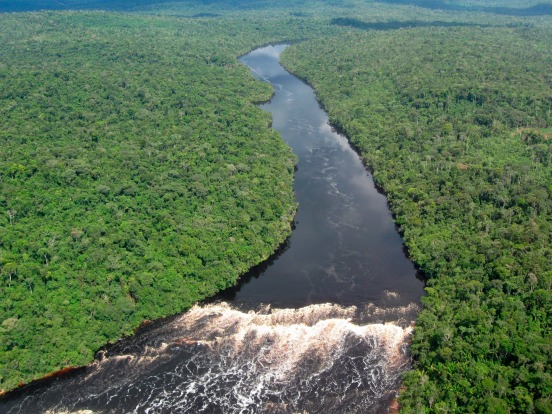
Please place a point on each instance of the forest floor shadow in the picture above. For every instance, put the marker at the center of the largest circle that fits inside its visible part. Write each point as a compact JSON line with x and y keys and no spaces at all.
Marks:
{"x":542,"y":9}
{"x":394,"y":25}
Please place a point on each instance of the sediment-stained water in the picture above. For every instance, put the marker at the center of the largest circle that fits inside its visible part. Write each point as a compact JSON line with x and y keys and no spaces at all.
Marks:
{"x":345,"y":248}
{"x":217,"y":359}
{"x":323,"y":328}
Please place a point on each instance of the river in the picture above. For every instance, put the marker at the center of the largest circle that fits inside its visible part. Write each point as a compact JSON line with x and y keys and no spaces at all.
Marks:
{"x":322,"y":327}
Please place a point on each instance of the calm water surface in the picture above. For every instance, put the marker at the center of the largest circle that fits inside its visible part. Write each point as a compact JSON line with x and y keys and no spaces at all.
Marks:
{"x":345,"y":248}
{"x":323,"y":328}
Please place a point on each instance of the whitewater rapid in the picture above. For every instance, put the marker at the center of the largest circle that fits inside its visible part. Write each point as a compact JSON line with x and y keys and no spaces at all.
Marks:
{"x":218,"y":359}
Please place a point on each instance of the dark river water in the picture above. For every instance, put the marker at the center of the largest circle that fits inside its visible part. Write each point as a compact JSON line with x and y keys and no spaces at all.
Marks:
{"x":323,"y":327}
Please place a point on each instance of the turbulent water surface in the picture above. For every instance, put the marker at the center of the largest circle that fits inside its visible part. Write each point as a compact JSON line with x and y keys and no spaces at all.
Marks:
{"x":323,"y":328}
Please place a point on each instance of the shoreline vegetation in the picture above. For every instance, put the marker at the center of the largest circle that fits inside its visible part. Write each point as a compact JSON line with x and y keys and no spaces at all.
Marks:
{"x":140,"y":190}
{"x":441,"y":146}
{"x":137,"y":135}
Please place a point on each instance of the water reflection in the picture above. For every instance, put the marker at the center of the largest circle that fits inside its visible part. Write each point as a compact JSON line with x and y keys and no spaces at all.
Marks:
{"x":345,"y":248}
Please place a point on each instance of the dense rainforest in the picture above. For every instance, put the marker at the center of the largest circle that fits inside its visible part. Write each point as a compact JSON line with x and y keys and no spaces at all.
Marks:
{"x":455,"y":125}
{"x":137,"y":176}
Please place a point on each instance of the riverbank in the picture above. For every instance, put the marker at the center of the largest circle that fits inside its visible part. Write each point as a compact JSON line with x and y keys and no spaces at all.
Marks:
{"x":284,"y":310}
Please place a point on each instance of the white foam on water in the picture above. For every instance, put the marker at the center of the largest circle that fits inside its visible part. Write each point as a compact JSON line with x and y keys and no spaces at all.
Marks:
{"x":292,"y":358}
{"x":218,"y":359}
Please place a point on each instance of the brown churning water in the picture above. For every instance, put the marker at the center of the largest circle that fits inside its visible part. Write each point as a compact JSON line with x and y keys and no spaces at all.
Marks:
{"x":217,"y":359}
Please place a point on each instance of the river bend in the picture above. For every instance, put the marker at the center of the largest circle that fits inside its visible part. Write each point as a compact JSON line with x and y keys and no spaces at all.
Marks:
{"x":323,"y":327}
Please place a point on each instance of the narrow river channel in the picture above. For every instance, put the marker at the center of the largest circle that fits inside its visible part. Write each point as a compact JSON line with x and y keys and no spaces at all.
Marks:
{"x":322,"y":328}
